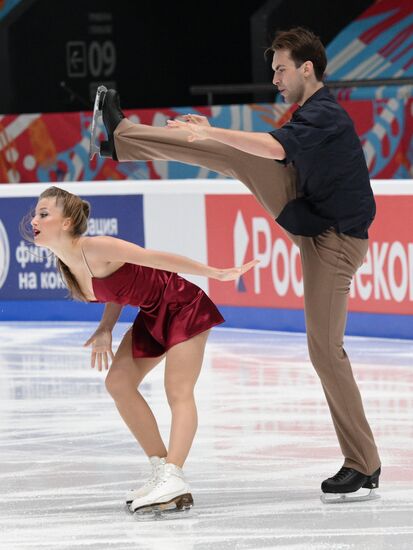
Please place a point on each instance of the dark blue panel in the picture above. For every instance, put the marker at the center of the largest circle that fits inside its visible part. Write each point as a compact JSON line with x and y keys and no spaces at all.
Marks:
{"x":27,"y":272}
{"x":57,"y":310}
{"x":292,"y":320}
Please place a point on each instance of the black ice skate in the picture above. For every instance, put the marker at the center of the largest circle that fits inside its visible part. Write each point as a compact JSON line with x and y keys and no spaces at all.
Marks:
{"x":343,"y":486}
{"x":106,"y":107}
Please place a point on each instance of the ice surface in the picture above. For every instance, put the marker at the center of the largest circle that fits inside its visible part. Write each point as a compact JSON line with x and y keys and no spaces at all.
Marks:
{"x":265,"y":442}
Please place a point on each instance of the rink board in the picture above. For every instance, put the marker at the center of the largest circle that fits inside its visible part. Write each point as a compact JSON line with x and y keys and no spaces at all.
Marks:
{"x":220,"y":223}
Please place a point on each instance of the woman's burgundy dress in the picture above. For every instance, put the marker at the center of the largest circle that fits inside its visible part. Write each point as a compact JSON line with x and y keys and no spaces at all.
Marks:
{"x":172,"y":309}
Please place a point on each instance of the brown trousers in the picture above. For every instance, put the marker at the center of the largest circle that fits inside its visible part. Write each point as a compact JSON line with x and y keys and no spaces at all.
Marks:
{"x":329,"y":262}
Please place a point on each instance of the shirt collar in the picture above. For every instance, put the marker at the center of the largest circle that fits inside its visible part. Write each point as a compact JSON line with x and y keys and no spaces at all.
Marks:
{"x":322,"y":92}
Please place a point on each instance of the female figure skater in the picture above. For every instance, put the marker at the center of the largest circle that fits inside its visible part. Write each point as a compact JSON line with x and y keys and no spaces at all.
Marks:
{"x":174,"y":322}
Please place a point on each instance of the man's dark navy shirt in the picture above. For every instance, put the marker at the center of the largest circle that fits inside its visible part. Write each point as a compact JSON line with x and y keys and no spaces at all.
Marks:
{"x":333,"y":180}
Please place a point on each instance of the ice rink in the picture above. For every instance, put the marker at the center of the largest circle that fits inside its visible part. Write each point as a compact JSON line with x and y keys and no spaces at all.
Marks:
{"x":264,"y":444}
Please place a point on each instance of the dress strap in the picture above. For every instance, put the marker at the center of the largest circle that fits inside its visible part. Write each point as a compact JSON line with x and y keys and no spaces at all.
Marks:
{"x":86,"y":264}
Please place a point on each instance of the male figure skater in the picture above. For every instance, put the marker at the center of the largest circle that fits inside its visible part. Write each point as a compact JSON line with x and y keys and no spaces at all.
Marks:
{"x":312,"y":177}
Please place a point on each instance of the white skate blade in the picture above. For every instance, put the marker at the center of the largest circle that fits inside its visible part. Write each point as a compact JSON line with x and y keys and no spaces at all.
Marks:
{"x":358,"y":496}
{"x":94,"y":147}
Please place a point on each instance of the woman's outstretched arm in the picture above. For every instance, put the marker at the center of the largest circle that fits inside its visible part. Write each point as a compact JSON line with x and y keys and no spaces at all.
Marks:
{"x":111,"y":249}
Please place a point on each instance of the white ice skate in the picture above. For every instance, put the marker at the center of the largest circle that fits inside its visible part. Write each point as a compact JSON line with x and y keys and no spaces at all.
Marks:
{"x":170,"y":494}
{"x":157,"y":465}
{"x":94,"y":146}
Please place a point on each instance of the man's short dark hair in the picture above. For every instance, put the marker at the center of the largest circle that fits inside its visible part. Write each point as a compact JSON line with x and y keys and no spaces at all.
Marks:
{"x":303,"y":45}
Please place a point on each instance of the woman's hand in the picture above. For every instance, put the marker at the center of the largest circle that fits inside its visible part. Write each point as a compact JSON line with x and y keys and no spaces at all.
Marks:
{"x":233,"y":273}
{"x":101,"y":342}
{"x":196,"y":125}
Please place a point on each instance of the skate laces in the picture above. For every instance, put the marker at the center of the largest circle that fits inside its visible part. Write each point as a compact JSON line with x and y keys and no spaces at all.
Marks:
{"x":341,"y":474}
{"x":156,"y":470}
{"x":168,"y":471}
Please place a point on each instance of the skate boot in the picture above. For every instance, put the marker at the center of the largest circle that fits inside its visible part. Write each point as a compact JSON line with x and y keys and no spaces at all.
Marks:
{"x":343,"y":486}
{"x":171,"y":494}
{"x":157,"y":465}
{"x":107,"y":107}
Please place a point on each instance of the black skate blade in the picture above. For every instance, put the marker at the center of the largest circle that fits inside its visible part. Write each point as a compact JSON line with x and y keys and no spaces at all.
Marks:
{"x":341,"y":498}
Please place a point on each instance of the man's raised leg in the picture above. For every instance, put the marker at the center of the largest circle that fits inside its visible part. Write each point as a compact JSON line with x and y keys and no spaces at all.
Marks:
{"x":272,"y":183}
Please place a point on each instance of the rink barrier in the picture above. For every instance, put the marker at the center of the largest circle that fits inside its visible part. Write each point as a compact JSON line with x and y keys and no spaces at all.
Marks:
{"x":220,"y":223}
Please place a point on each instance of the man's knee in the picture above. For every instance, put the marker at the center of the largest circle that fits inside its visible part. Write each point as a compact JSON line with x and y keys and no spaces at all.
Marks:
{"x":324,"y":353}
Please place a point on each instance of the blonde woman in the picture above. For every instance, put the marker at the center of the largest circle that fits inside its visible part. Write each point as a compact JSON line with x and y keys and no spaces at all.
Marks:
{"x":174,"y":321}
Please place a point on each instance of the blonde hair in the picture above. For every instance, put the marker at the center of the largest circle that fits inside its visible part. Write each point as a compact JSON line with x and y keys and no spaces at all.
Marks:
{"x":78,"y":211}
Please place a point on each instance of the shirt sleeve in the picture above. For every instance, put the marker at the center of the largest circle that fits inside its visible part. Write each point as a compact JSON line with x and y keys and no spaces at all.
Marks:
{"x":303,"y":133}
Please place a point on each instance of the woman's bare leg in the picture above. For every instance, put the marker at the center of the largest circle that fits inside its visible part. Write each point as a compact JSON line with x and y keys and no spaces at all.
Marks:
{"x":122,"y":381}
{"x":183,"y":365}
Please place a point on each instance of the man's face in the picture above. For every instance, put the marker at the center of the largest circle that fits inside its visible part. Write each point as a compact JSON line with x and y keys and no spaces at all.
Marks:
{"x":288,"y":79}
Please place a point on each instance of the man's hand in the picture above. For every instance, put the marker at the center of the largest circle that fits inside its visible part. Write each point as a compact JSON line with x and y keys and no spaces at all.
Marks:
{"x":196,"y":119}
{"x":196,"y":125}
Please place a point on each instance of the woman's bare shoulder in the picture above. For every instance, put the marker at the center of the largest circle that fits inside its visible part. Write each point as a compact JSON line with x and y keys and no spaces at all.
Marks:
{"x":89,"y":244}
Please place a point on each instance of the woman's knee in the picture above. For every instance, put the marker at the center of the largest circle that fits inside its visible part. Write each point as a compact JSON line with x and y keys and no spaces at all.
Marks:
{"x":115,"y":382}
{"x":119,"y":381}
{"x":178,"y":393}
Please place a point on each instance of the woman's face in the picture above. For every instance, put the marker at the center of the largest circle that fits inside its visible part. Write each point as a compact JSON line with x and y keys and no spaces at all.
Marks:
{"x":48,"y":222}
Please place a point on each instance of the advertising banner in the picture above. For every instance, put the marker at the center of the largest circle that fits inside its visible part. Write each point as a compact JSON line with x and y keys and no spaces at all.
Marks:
{"x":384,"y":284}
{"x":28,"y":272}
{"x":55,"y":147}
